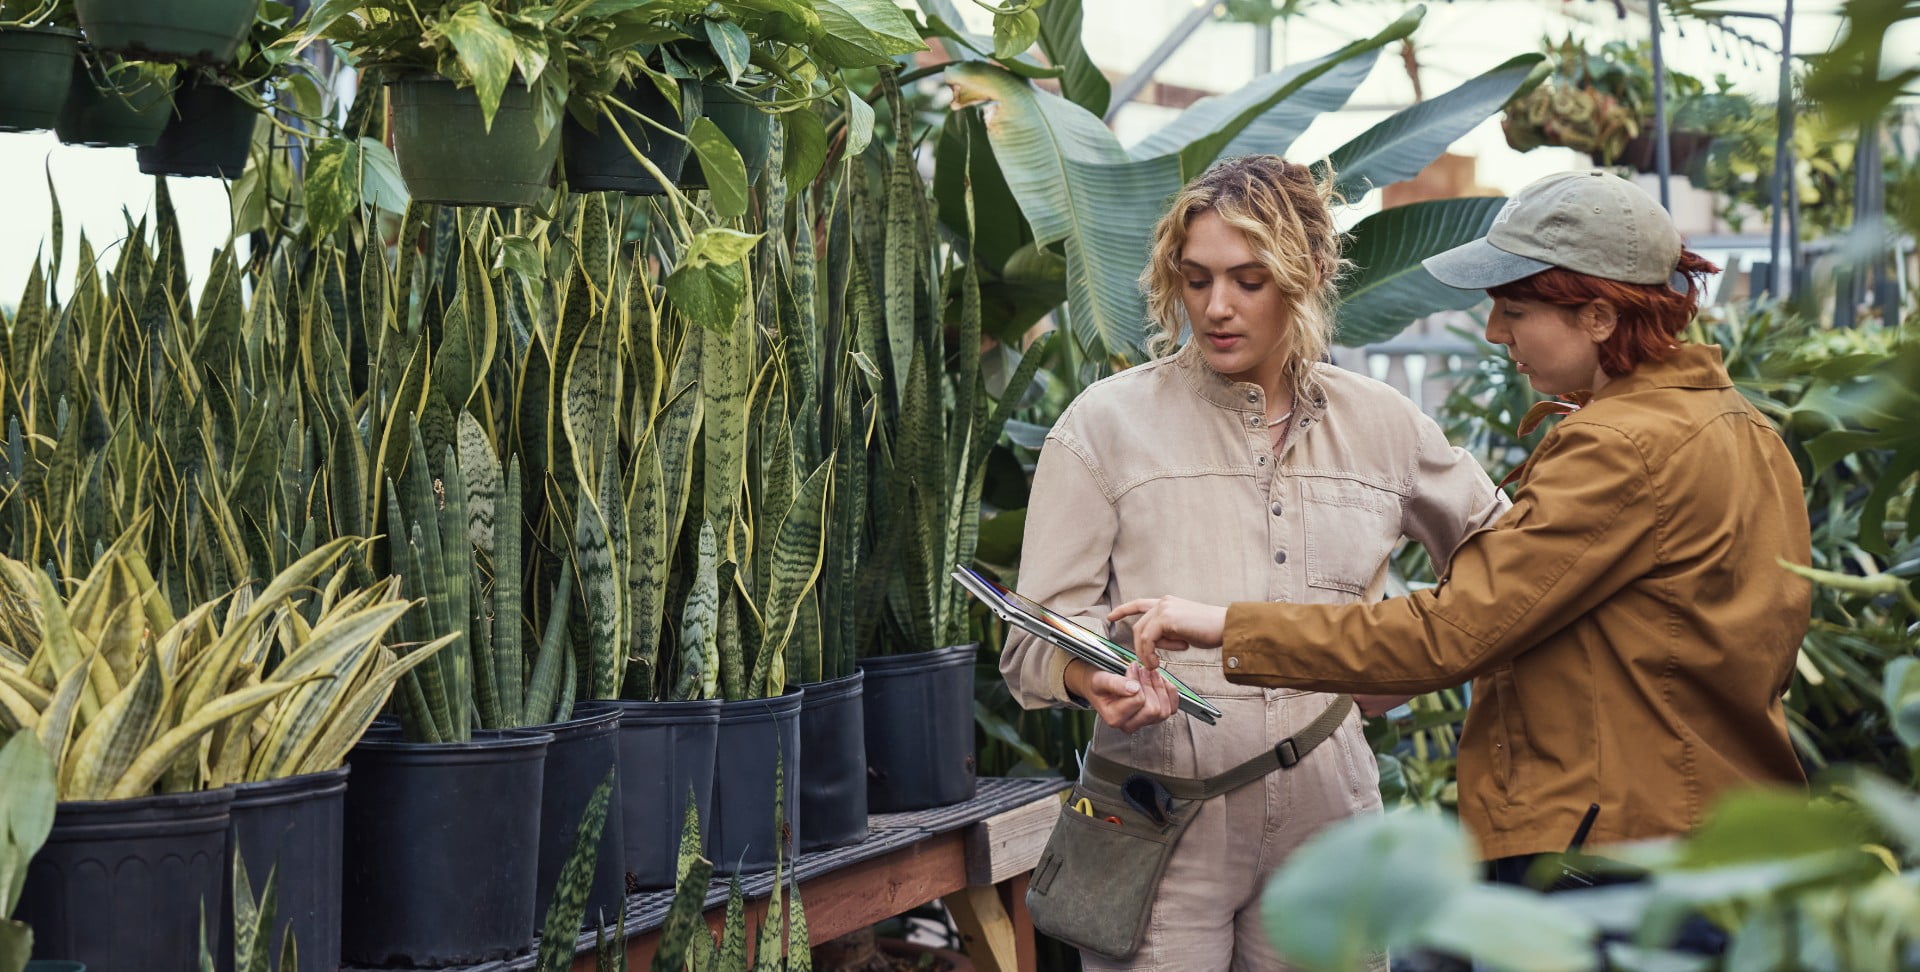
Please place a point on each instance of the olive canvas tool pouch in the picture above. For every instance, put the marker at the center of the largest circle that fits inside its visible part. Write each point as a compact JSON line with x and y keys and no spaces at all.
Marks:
{"x":1097,"y":878}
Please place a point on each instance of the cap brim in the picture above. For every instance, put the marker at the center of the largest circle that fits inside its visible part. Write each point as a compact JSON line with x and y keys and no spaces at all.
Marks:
{"x":1479,"y":265}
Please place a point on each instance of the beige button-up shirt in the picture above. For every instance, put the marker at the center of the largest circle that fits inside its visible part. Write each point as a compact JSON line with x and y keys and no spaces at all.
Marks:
{"x":1163,"y":480}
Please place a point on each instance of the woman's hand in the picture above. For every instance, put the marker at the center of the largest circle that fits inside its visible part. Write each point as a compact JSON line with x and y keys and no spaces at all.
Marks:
{"x":1128,"y":703}
{"x":1374,"y":706}
{"x":1171,"y":624}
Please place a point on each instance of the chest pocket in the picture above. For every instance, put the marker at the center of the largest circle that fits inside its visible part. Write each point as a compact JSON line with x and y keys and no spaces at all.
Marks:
{"x":1351,"y":529}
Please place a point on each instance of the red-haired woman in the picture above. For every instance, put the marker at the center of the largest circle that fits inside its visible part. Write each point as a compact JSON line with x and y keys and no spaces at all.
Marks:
{"x":1627,"y":625}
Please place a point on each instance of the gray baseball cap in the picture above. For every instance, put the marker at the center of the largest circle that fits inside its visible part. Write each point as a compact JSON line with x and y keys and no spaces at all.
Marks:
{"x":1589,"y":222}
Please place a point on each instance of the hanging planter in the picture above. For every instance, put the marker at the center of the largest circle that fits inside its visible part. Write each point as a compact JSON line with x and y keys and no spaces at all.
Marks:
{"x":747,"y":127}
{"x":121,"y":884}
{"x":667,"y":751}
{"x":208,"y":31}
{"x":292,"y":828}
{"x":119,"y":105}
{"x":210,"y":133}
{"x":36,"y":71}
{"x":758,"y":738}
{"x":584,"y":748}
{"x":442,"y":840}
{"x":919,"y":718}
{"x":598,"y":159}
{"x":833,"y":776}
{"x":447,"y":156}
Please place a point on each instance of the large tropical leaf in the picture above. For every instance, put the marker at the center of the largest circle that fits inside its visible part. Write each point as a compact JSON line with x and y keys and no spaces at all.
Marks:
{"x":1075,"y":184}
{"x":1406,"y":141}
{"x":1225,"y":123}
{"x":1305,"y":91}
{"x":1080,"y":79}
{"x":1388,"y":288}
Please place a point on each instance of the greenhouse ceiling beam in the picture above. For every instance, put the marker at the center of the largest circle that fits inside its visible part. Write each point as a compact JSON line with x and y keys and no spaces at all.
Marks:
{"x":1129,"y":88}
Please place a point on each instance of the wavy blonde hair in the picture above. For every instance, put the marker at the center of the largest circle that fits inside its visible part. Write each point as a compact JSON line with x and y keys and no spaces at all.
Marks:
{"x":1286,"y":214}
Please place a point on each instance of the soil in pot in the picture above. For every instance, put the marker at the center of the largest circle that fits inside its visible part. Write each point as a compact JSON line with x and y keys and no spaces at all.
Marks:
{"x":447,"y":155}
{"x":919,"y":728}
{"x":207,"y":31}
{"x":120,"y":884}
{"x":36,"y":72}
{"x":442,"y":841}
{"x":667,"y":756}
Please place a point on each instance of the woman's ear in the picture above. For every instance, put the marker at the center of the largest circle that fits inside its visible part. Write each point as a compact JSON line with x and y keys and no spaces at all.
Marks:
{"x":1599,"y":319}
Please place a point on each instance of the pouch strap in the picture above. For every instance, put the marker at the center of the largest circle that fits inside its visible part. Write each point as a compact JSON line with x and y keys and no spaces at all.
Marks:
{"x":1283,"y":755}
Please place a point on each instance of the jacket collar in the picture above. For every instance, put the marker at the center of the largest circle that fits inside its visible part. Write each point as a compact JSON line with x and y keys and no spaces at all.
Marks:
{"x":1240,"y":396}
{"x":1691,"y":366}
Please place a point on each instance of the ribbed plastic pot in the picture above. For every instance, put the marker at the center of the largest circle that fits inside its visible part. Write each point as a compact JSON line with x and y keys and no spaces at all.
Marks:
{"x":666,"y":755}
{"x":758,"y":738}
{"x":442,"y":841}
{"x":448,"y":156}
{"x":584,"y":748}
{"x":833,"y":771}
{"x":36,"y":71}
{"x":293,"y":829}
{"x":208,"y":31}
{"x":598,"y":160}
{"x":120,"y":883}
{"x":919,"y":718}
{"x":748,"y":128}
{"x":102,"y":113}
{"x":209,"y":134}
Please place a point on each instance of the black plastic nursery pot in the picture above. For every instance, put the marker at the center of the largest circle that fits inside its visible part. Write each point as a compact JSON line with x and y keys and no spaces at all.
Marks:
{"x":748,"y":128}
{"x":292,"y":829}
{"x":208,"y":134}
{"x":598,"y":159}
{"x":833,"y":778}
{"x":36,"y":69}
{"x":120,"y":884}
{"x":102,"y":112}
{"x":919,"y":718}
{"x":584,"y":748}
{"x":54,"y":965}
{"x":442,"y":841}
{"x":208,"y":31}
{"x":447,"y":155}
{"x":757,"y":738}
{"x":666,"y":755}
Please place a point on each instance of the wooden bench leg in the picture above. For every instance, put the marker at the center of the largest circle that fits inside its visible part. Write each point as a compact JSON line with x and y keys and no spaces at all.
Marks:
{"x":986,"y":927}
{"x":1013,"y":897}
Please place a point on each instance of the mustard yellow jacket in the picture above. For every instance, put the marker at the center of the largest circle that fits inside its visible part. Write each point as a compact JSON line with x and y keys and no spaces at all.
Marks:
{"x":1627,"y":625}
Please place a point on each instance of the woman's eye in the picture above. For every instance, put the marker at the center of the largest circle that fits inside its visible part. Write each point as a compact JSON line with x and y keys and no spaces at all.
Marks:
{"x":1250,"y":286}
{"x":1197,"y":284}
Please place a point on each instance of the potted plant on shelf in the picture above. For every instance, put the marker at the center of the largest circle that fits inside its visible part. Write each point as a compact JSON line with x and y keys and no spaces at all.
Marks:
{"x":935,"y":430}
{"x":39,"y":44}
{"x":138,"y":708}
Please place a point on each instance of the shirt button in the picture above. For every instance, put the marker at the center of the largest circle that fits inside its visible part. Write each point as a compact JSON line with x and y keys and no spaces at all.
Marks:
{"x":1233,"y":662}
{"x":1280,"y":557}
{"x":1253,"y":397}
{"x":1277,"y":509}
{"x":1262,"y":460}
{"x":1253,"y":421}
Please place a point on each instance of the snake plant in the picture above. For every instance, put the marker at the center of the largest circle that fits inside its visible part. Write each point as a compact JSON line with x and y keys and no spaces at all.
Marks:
{"x":131,"y":700}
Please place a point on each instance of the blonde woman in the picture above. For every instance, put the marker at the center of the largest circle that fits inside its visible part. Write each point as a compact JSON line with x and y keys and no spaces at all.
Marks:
{"x":1237,"y":463}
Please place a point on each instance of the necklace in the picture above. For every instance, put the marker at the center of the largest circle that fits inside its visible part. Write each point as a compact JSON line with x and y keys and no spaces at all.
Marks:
{"x":1283,"y":417}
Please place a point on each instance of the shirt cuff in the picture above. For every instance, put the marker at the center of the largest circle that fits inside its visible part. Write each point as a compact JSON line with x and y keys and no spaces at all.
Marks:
{"x":1057,"y":661}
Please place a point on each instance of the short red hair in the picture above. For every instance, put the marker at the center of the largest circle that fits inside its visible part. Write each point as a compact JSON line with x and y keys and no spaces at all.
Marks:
{"x":1651,"y":316}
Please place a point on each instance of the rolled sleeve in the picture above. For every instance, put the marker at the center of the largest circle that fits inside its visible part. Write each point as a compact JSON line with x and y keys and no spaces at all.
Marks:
{"x":1581,"y":529}
{"x":1065,"y":564}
